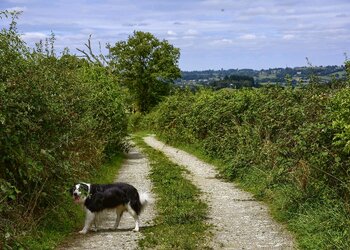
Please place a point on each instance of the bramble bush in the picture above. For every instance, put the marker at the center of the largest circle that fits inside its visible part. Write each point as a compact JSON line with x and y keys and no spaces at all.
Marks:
{"x":60,"y":117}
{"x":290,"y":146}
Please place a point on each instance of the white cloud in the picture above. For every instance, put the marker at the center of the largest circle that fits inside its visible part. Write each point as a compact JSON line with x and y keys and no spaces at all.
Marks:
{"x":17,"y":8}
{"x":171,"y":33}
{"x":17,"y":1}
{"x":88,"y":31}
{"x":259,"y":10}
{"x":191,"y":32}
{"x":36,"y":36}
{"x":223,"y":41}
{"x":248,"y":37}
{"x":288,"y":37}
{"x":265,"y":27}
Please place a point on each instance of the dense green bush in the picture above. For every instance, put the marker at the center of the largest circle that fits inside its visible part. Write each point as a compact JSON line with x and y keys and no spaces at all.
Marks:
{"x":60,"y":117}
{"x":288,"y":145}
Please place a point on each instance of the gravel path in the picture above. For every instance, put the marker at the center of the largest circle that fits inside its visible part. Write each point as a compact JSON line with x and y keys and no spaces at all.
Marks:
{"x":134,"y":171}
{"x":240,"y":222}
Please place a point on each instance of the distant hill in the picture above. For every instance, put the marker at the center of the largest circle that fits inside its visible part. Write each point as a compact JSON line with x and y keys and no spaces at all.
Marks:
{"x":264,"y":76}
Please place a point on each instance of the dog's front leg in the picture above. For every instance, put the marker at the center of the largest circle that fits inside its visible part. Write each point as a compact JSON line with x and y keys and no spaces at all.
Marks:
{"x":119,"y":216}
{"x":90,"y":217}
{"x":96,"y":221}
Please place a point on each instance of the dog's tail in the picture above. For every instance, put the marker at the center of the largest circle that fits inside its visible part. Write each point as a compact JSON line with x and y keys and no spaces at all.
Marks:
{"x":144,"y":200}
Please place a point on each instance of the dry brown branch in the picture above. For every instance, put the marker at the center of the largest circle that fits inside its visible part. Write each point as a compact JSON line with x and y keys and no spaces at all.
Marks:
{"x":90,"y":56}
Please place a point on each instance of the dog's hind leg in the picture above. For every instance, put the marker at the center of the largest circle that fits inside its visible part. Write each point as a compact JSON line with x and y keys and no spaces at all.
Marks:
{"x":135,"y":216}
{"x":119,"y":210}
{"x":90,"y":217}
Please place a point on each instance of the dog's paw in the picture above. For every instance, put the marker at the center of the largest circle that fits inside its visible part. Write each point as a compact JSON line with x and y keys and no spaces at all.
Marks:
{"x":83,"y":231}
{"x":135,"y":230}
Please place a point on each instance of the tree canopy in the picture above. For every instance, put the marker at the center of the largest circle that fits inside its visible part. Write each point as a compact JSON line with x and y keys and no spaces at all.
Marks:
{"x":147,"y":66}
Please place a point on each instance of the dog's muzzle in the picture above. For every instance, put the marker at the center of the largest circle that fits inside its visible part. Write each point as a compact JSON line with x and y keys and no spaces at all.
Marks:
{"x":76,"y":197}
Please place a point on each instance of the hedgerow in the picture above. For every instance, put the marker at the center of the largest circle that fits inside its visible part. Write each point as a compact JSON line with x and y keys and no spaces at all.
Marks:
{"x":290,"y":146}
{"x":60,"y":117}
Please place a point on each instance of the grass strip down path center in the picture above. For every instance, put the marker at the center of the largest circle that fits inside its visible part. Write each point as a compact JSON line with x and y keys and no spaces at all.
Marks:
{"x":181,"y":215}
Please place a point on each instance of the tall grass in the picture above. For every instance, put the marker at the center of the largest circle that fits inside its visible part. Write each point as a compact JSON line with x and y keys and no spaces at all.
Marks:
{"x":289,"y":146}
{"x":60,"y":119}
{"x":58,"y":223}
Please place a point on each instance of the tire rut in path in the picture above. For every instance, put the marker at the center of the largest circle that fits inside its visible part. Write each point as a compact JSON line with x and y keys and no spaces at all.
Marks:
{"x":135,"y":171}
{"x":239,"y":221}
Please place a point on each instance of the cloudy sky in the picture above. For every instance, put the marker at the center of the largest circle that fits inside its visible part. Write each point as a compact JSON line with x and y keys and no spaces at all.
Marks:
{"x":211,"y":34}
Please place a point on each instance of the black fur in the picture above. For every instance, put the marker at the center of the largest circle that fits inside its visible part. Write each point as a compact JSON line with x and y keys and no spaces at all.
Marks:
{"x":104,"y":196}
{"x":119,"y":196}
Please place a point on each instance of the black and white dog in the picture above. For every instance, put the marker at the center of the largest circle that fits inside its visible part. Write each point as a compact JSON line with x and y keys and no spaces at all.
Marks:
{"x":119,"y":196}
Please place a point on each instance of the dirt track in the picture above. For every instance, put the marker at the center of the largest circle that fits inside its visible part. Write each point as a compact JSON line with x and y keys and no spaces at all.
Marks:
{"x":240,"y":221}
{"x":134,"y":171}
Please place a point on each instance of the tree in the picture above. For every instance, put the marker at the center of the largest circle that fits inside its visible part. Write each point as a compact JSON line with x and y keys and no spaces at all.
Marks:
{"x":146,"y":66}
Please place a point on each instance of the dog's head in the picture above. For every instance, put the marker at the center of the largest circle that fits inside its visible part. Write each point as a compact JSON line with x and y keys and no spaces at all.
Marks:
{"x":80,"y":192}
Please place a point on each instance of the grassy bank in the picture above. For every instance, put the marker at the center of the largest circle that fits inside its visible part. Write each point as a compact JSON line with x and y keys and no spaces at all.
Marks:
{"x":61,"y":117}
{"x":180,"y":221}
{"x":288,"y":146}
{"x":306,"y":226}
{"x":66,"y":217}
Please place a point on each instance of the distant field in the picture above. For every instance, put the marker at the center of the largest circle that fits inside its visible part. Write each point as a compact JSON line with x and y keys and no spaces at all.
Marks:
{"x":265,"y":76}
